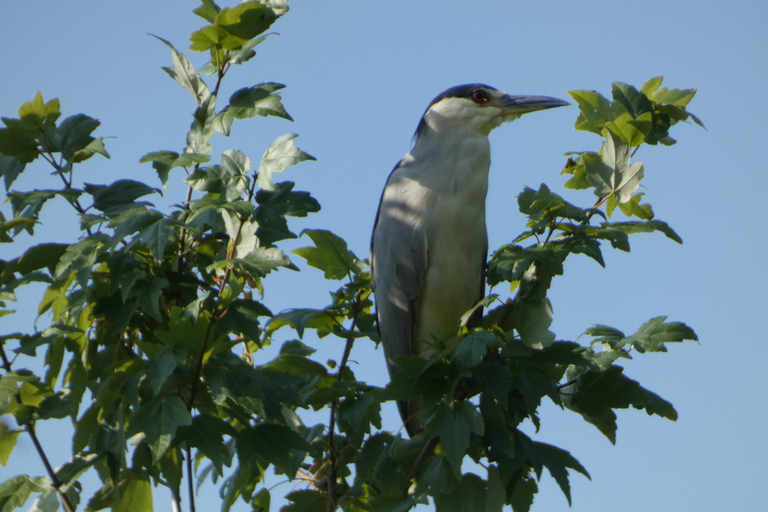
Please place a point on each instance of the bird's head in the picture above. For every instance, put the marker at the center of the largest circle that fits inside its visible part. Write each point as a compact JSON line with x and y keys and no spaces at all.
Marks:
{"x":479,"y":108}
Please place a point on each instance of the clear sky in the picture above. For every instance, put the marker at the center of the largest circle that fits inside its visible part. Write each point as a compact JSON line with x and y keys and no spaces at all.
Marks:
{"x":360,"y":74}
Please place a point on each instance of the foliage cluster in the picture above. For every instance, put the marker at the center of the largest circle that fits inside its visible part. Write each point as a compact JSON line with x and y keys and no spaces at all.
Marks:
{"x":146,"y":309}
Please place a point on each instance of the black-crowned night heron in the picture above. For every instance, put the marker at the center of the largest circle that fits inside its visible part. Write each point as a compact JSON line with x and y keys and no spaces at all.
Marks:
{"x":430,"y":241}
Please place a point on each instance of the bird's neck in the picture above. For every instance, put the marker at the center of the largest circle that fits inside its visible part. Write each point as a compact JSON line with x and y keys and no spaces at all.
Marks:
{"x":454,"y":157}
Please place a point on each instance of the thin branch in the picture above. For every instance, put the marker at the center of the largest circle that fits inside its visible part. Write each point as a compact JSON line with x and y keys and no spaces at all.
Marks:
{"x":190,"y":480}
{"x":334,"y":403}
{"x":30,"y":428}
{"x":429,"y":447}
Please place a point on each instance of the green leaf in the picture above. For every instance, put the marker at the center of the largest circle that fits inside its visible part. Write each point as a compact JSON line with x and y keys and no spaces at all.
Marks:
{"x":210,"y":37}
{"x":452,"y":423}
{"x":9,"y":387}
{"x":16,"y":144}
{"x":301,"y":319}
{"x":649,"y":226}
{"x":10,"y":168}
{"x":305,"y":501}
{"x":249,"y":102}
{"x":651,"y":85}
{"x":466,"y":495}
{"x":38,"y":114}
{"x":136,"y":493}
{"x":158,"y":419}
{"x":164,"y":161}
{"x":183,"y":72}
{"x":597,"y":393}
{"x":650,"y":337}
{"x":15,"y":492}
{"x":357,"y":413}
{"x":48,"y":502}
{"x":246,"y":53}
{"x":474,"y":347}
{"x":555,"y":459}
{"x":280,"y":155}
{"x":636,"y":102}
{"x":208,"y":10}
{"x":523,"y":489}
{"x":247,"y":20}
{"x":260,"y":501}
{"x":595,"y":109}
{"x":272,"y":444}
{"x":330,"y":254}
{"x":120,"y":195}
{"x":7,"y":442}
{"x":613,"y":174}
{"x":73,"y":135}
{"x":242,"y":317}
{"x":161,"y":365}
{"x":202,"y":128}
{"x":206,"y":434}
{"x":275,"y":205}
{"x":46,"y":255}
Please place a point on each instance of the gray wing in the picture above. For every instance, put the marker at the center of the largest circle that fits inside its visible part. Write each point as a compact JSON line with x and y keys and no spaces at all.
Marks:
{"x":398,"y":265}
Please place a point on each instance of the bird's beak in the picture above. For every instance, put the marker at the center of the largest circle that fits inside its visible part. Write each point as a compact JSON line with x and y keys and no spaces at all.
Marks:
{"x":518,"y":105}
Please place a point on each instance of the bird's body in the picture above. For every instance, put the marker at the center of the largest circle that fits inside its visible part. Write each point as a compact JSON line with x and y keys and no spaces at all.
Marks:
{"x":430,"y":241}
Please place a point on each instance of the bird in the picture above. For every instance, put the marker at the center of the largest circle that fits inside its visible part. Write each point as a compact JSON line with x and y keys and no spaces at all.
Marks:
{"x":429,"y":243}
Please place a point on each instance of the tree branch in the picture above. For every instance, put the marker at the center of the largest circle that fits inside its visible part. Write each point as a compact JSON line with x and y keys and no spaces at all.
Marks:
{"x":30,"y":429}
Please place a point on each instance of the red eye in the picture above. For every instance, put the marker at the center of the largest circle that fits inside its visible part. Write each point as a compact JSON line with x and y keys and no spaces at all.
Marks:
{"x":479,"y":96}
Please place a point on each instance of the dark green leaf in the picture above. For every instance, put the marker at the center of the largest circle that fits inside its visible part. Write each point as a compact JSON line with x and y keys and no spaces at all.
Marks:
{"x":161,"y":365}
{"x":272,"y":444}
{"x":646,"y":227}
{"x":452,"y":423}
{"x":45,"y":255}
{"x":555,"y":459}
{"x":242,"y":317}
{"x":158,"y":419}
{"x":164,"y":161}
{"x":597,"y":393}
{"x":119,"y":196}
{"x":10,"y":168}
{"x":301,"y":319}
{"x":466,"y":495}
{"x":275,"y":205}
{"x":73,"y":135}
{"x":474,"y":347}
{"x":249,"y":102}
{"x":634,"y":101}
{"x":206,"y":433}
{"x":330,"y":254}
{"x":305,"y":501}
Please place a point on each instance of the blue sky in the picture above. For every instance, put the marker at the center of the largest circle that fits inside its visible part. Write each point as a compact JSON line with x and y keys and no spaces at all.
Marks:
{"x":359,"y":75}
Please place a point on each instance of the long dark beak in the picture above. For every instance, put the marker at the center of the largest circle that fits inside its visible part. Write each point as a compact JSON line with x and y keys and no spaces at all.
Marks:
{"x":524,"y":104}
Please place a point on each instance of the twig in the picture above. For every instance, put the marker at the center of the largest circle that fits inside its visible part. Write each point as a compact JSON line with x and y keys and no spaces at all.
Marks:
{"x":30,"y":428}
{"x":190,"y":483}
{"x":334,"y":403}
{"x":429,"y":447}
